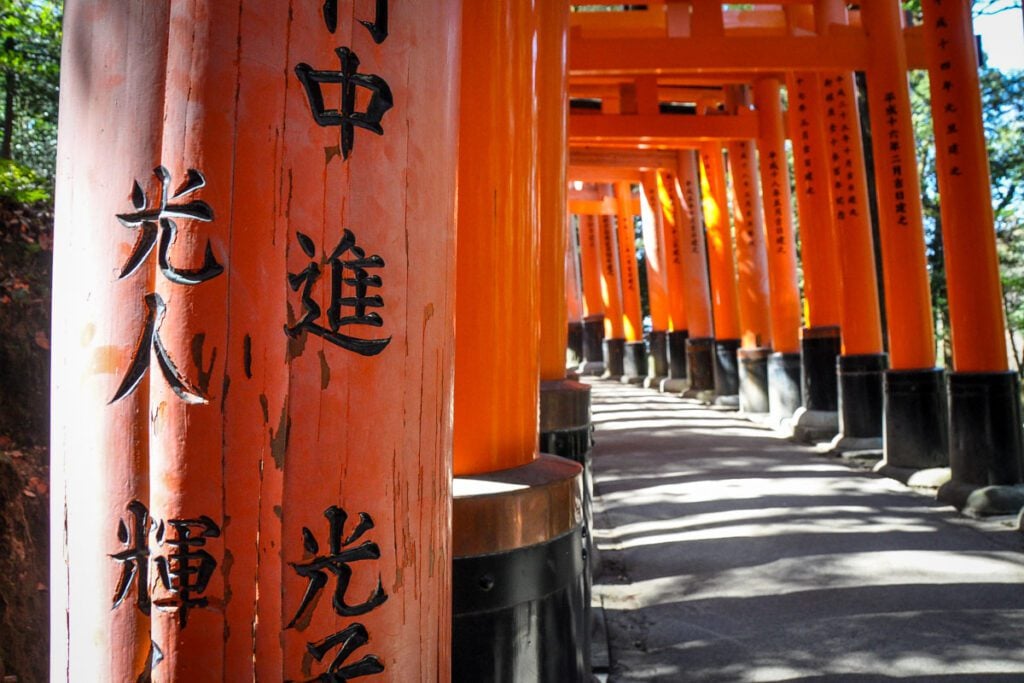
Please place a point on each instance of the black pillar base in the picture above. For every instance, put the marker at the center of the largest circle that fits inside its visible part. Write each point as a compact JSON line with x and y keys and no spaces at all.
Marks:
{"x":614,"y":357}
{"x":819,"y":349}
{"x":985,"y":446}
{"x":520,"y":584}
{"x":635,"y":363}
{"x":677,"y":354}
{"x":784,"y":393}
{"x":700,"y":366}
{"x":657,"y":364}
{"x":565,"y":428}
{"x":916,"y":414}
{"x":566,"y":431}
{"x":753,"y":370}
{"x":860,"y":401}
{"x":575,"y":344}
{"x":727,"y":374}
{"x":593,"y":353}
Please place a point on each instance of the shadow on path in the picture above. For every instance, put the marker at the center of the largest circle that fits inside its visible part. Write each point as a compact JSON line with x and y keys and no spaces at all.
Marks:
{"x":731,"y":554}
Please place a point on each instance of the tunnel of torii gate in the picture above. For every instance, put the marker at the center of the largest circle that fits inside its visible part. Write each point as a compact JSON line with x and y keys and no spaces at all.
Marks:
{"x":327,"y":431}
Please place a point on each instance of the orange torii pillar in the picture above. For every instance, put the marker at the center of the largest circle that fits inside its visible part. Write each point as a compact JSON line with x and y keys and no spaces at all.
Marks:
{"x":751,"y":266}
{"x":817,"y":418}
{"x":700,"y":372}
{"x":635,"y":352}
{"x":985,"y":443}
{"x":678,"y":331}
{"x":723,"y":274}
{"x":573,"y":297}
{"x":614,"y":345}
{"x":653,"y":221}
{"x":517,"y":526}
{"x":784,"y":363}
{"x":914,"y":393}
{"x":862,"y":365}
{"x":238,"y":434}
{"x":564,"y":402}
{"x":588,"y":239}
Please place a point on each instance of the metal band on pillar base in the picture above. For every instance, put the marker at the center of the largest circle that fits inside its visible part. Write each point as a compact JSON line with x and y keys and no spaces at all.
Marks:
{"x":727,"y":373}
{"x":916,"y":422}
{"x":634,"y":363}
{"x":575,"y":345}
{"x":676,"y":382}
{"x":986,"y":449}
{"x":614,"y":356}
{"x":593,"y":351}
{"x":818,"y":418}
{"x":860,"y":402}
{"x":520,"y":584}
{"x":753,"y":369}
{"x":700,"y":368}
{"x":784,"y":395}
{"x":657,"y":364}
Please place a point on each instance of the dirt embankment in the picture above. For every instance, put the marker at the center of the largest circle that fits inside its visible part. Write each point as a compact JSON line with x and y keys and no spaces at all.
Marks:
{"x":26,"y":256}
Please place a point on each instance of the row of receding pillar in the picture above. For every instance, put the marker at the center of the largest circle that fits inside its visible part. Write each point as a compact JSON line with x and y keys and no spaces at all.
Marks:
{"x":853,"y":385}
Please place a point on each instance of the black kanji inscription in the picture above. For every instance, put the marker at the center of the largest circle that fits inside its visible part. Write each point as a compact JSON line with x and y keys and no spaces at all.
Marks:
{"x":346,"y":117}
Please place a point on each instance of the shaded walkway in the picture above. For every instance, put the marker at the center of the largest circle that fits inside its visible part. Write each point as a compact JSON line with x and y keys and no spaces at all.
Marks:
{"x":731,"y":554}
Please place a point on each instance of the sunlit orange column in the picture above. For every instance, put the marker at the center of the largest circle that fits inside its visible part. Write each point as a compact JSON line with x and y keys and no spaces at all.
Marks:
{"x":723,"y":271}
{"x":507,"y":496}
{"x":984,"y":403}
{"x":588,"y":229}
{"x":611,"y":292}
{"x":820,"y":343}
{"x":784,"y":362}
{"x":915,"y":404}
{"x":696,"y":288}
{"x":552,"y":189}
{"x":96,"y":323}
{"x":863,"y":360}
{"x":751,"y":264}
{"x":240,"y":360}
{"x":655,"y":256}
{"x":678,"y":331}
{"x":635,"y":360}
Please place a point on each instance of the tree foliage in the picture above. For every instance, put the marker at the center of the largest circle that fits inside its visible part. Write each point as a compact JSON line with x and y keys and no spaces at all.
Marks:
{"x":30,"y":35}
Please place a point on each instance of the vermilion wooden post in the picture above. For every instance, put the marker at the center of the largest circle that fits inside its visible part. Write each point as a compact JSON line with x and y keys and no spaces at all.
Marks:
{"x":507,"y":496}
{"x":696,"y":288}
{"x":984,"y":403}
{"x":552,"y":190}
{"x":678,"y":331}
{"x":99,"y":450}
{"x":751,"y":265}
{"x":593,"y":304}
{"x":564,"y":403}
{"x":915,"y":404}
{"x":635,"y":355}
{"x":863,"y":360}
{"x":653,"y":223}
{"x":784,"y":363}
{"x":611,"y":294}
{"x":723,"y":271}
{"x":279,"y":270}
{"x":820,"y":345}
